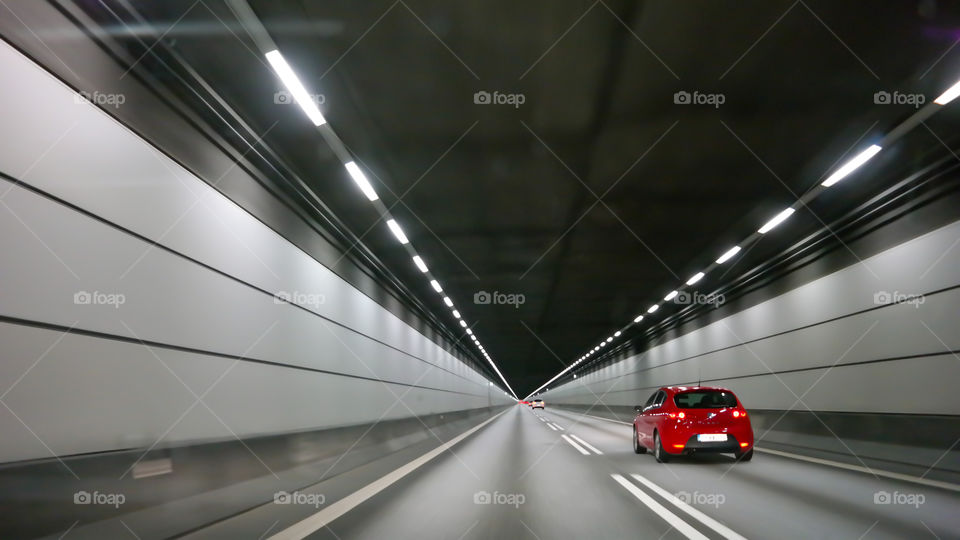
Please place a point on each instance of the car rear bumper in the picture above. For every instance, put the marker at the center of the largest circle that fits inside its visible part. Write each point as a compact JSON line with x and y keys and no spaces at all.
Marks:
{"x":730,"y":445}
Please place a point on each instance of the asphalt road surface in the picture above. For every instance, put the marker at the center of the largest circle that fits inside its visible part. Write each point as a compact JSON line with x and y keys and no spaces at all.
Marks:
{"x":556,"y":474}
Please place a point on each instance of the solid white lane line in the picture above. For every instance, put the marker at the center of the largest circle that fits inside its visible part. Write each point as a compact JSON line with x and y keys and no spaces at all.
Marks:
{"x":680,"y":525}
{"x":558,"y":426}
{"x":857,"y":468}
{"x":321,"y":519}
{"x":720,"y":528}
{"x":549,"y":425}
{"x":585,"y":443}
{"x":575,"y":445}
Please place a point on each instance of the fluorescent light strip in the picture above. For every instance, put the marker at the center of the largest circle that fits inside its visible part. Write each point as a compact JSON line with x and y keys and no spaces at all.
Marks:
{"x":851,"y":165}
{"x":361,"y":180}
{"x":653,"y":308}
{"x":670,"y":296}
{"x":436,"y":285}
{"x":695,"y":278}
{"x":456,"y":314}
{"x":617,"y":333}
{"x":638,"y":318}
{"x":448,"y":301}
{"x":949,"y":95}
{"x":609,"y":339}
{"x":397,"y":231}
{"x":420,"y":264}
{"x":295,"y":87}
{"x":463,"y":323}
{"x":728,"y":255}
{"x":776,"y":220}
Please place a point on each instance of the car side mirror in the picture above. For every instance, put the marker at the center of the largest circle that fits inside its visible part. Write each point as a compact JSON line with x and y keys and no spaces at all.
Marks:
{"x":638,"y":408}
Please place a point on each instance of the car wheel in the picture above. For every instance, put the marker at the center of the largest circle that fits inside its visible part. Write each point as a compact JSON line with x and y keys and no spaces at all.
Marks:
{"x":637,"y":447}
{"x":658,"y":452}
{"x":744,"y":456}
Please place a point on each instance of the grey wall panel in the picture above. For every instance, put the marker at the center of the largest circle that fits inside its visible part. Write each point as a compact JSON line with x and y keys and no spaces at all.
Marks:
{"x":203,"y":294}
{"x":76,"y":152}
{"x":87,"y":394}
{"x":829,"y":343}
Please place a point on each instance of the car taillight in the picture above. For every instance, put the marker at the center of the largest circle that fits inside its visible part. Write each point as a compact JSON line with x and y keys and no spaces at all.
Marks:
{"x":681,"y":415}
{"x":673,"y":415}
{"x":678,"y":446}
{"x":744,"y":445}
{"x":738,"y":414}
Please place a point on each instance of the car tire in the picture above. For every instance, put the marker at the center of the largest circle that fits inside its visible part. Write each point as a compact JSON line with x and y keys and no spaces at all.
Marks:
{"x":744,"y":456}
{"x":658,"y":452}
{"x":637,"y":447}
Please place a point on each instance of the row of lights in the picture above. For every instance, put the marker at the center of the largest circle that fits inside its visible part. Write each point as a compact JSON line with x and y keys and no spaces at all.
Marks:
{"x":776,"y":220}
{"x":302,"y":97}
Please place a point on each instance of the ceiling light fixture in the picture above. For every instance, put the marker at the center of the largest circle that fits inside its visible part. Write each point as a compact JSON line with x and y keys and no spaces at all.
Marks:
{"x":670,"y":296}
{"x":295,"y":87}
{"x":728,"y":255}
{"x":420,"y":264}
{"x":949,"y":95}
{"x":695,"y":278}
{"x":653,"y":308}
{"x":776,"y":220}
{"x":851,"y":165}
{"x":361,"y":180}
{"x":436,"y":285}
{"x":456,"y":314}
{"x":448,"y":301}
{"x":397,"y":231}
{"x":638,"y":318}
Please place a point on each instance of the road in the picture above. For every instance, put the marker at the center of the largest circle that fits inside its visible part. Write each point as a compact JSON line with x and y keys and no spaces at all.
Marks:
{"x":557,"y":474}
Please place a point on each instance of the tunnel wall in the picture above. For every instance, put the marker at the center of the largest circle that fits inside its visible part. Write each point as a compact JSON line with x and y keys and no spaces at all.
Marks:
{"x":139,"y":306}
{"x":830,"y":366}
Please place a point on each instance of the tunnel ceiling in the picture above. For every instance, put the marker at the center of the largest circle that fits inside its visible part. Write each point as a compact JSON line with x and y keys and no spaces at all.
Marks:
{"x":596,"y":194}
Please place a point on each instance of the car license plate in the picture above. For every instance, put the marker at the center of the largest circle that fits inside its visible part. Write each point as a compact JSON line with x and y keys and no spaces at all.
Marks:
{"x":712,"y":437}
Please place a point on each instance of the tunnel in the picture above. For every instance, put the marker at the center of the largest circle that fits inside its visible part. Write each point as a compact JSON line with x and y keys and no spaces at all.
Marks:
{"x":421,"y":269}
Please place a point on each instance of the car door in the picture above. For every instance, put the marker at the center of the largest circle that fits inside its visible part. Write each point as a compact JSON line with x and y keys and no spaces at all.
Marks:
{"x":644,"y":420}
{"x":654,"y":415}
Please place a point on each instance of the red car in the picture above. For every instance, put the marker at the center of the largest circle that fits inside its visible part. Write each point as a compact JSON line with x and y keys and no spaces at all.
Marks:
{"x":687,"y":419}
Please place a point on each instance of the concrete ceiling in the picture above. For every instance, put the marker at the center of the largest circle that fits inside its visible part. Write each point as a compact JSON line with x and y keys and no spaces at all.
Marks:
{"x":599,"y":193}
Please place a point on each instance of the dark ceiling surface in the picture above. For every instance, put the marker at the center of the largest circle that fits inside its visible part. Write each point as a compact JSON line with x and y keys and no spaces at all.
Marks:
{"x":598,"y":193}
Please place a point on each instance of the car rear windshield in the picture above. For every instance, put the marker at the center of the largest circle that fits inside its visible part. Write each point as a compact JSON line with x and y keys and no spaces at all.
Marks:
{"x":707,"y":399}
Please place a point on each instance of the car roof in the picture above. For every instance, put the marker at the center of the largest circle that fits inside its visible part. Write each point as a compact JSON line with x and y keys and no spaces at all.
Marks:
{"x":675,"y":389}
